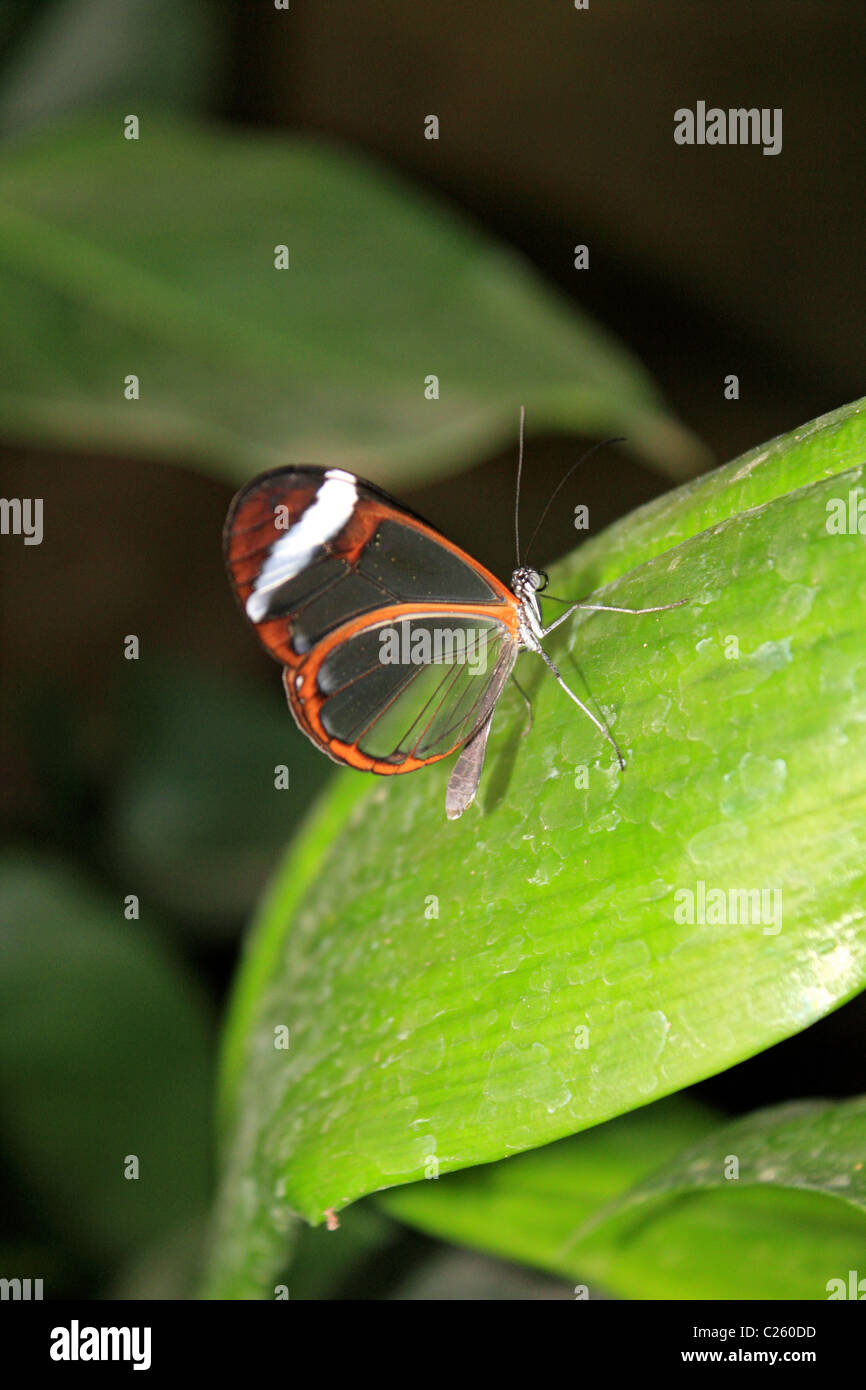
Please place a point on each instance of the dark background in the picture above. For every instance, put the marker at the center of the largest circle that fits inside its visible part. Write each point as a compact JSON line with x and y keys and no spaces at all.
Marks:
{"x":556,"y":128}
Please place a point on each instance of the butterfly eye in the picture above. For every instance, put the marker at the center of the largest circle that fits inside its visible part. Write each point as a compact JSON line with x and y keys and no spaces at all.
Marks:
{"x":542,"y":581}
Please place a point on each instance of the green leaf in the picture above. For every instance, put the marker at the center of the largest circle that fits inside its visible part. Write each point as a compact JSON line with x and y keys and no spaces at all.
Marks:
{"x":196,"y":832}
{"x":104,"y":1048}
{"x":816,"y":1146}
{"x":563,"y":894}
{"x":778,"y":1231}
{"x":156,"y":257}
{"x":527,"y":1208}
{"x":68,"y":57}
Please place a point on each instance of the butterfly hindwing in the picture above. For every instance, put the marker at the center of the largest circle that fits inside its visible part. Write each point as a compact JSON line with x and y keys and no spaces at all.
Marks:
{"x":394,"y":640}
{"x":395,"y":692}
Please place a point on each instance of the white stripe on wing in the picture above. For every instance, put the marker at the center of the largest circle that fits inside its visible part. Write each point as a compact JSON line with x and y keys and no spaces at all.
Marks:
{"x":325,"y":517}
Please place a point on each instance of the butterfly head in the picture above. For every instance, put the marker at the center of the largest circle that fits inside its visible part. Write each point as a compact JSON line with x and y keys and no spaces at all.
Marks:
{"x":526,"y":582}
{"x":526,"y":585}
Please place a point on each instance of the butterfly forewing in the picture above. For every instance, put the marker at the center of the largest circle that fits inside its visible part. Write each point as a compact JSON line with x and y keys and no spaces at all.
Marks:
{"x":396,"y":642}
{"x":309,"y":549}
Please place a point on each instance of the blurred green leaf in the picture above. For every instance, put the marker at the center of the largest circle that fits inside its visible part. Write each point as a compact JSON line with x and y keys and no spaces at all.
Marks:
{"x":71,"y":53}
{"x":323,"y":1260}
{"x":448,"y":1275}
{"x":156,"y":257}
{"x":104,"y":1052}
{"x":167,"y":1268}
{"x":562,"y":897}
{"x":551,"y":1207}
{"x":196,"y":820}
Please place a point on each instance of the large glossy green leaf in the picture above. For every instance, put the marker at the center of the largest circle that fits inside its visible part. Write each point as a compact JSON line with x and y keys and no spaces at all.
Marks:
{"x":687,"y":1227}
{"x":436,"y":977}
{"x":156,"y":257}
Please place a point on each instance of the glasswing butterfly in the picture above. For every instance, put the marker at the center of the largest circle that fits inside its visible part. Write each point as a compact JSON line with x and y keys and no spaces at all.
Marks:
{"x":395,"y":643}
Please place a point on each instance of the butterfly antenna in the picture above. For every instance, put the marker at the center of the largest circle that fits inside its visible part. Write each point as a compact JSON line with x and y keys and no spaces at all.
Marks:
{"x":517,"y":490}
{"x":618,"y":439}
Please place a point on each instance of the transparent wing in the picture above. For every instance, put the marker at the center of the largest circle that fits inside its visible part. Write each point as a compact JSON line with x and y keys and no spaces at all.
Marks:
{"x":296,"y":591}
{"x":394,"y":695}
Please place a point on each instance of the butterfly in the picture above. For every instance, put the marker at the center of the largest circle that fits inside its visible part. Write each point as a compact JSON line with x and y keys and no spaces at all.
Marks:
{"x":395,"y":643}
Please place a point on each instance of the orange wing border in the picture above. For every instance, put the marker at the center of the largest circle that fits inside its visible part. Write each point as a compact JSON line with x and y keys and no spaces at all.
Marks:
{"x":306,"y":701}
{"x":251,"y":517}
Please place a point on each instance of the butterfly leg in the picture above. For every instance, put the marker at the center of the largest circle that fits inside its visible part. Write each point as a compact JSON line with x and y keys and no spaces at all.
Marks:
{"x":528,"y":704}
{"x":588,"y":712}
{"x":609,"y":608}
